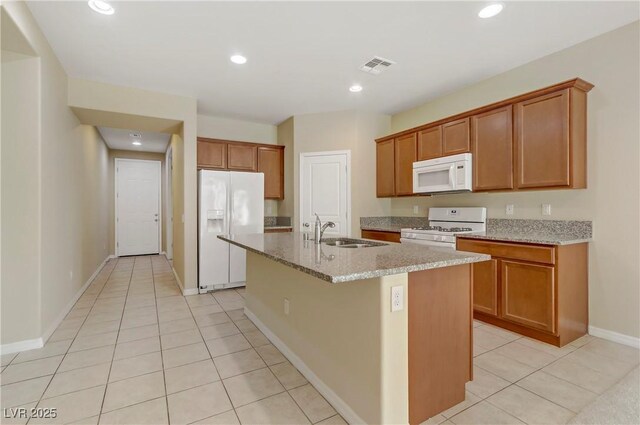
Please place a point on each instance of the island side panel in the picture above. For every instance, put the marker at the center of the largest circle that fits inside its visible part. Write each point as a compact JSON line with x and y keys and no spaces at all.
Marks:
{"x":440,"y":345}
{"x":344,"y":334}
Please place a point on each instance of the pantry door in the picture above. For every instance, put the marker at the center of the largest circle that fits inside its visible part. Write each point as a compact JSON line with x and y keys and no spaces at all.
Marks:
{"x":137,"y":207}
{"x":325,"y":189}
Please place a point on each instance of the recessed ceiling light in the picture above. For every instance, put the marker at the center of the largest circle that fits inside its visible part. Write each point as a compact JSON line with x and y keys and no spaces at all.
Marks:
{"x":101,"y":7}
{"x":136,"y":143}
{"x":491,"y":10}
{"x":355,"y":88}
{"x":239,"y":59}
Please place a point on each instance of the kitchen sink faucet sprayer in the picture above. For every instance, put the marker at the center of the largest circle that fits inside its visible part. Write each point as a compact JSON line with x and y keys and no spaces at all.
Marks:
{"x":320,"y":228}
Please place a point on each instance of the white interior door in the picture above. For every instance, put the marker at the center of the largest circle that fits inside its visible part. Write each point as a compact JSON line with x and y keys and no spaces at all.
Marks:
{"x":325,"y":190}
{"x":137,"y":207}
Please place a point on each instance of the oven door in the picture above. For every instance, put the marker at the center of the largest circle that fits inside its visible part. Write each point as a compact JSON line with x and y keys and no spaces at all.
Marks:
{"x":434,"y":178}
{"x":424,"y":242}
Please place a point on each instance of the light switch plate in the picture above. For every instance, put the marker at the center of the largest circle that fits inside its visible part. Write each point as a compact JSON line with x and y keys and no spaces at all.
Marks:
{"x":416,"y":209}
{"x":509,"y":209}
{"x":286,"y":307}
{"x":546,"y":209}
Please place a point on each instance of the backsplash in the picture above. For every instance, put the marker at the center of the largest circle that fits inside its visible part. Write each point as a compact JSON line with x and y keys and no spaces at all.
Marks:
{"x":277,"y":221}
{"x":391,"y":223}
{"x":582,"y":229}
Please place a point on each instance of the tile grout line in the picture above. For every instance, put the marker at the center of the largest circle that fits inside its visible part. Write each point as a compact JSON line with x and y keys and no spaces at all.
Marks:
{"x":164,"y":375}
{"x":76,"y":336}
{"x":104,"y":396}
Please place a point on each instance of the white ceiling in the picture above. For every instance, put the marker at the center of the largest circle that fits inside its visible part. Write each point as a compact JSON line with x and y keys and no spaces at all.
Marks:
{"x":120,"y":139}
{"x":303,"y":56}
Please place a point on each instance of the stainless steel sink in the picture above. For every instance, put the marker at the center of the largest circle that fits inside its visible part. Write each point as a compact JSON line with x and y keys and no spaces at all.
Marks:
{"x":351,"y":243}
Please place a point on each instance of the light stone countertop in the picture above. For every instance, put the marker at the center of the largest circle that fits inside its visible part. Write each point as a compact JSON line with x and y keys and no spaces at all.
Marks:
{"x":277,"y":227}
{"x":337,"y":265}
{"x":537,"y":238}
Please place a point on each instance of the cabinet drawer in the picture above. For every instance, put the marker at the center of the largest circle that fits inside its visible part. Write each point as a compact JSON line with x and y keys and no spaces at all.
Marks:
{"x":381,"y":236}
{"x":536,"y":253}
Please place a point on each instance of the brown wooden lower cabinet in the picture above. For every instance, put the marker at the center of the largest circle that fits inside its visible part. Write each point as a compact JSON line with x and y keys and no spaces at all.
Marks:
{"x":540,"y":291}
{"x":278,"y":230}
{"x":381,"y":236}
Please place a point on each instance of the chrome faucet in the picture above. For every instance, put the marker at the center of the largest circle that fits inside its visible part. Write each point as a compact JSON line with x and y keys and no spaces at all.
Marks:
{"x":320,"y":228}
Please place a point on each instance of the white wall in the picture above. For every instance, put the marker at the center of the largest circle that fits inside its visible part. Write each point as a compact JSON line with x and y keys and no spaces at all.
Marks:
{"x":611,"y":62}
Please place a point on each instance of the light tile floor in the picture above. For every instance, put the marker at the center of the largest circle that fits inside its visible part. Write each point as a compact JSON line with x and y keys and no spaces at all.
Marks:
{"x":133,"y":350}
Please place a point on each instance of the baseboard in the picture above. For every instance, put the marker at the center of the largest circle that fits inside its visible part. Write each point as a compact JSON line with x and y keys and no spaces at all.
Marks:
{"x":185,"y":291}
{"x":31,"y":344}
{"x":340,"y":405}
{"x":15,"y":347}
{"x":52,"y":328}
{"x":612,"y":336}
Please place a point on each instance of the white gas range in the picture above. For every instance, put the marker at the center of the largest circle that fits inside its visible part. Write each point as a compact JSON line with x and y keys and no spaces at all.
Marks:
{"x":444,"y":224}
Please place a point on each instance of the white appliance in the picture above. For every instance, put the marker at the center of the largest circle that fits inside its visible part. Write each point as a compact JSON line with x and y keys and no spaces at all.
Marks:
{"x":444,"y":225}
{"x":447,"y":174}
{"x":228,"y":203}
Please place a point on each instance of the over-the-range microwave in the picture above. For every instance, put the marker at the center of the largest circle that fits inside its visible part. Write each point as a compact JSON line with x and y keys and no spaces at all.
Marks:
{"x":447,"y":174}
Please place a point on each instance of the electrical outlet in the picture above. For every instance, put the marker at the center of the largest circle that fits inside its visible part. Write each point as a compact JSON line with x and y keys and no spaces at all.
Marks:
{"x":268,"y":209}
{"x":286,"y":307}
{"x":546,"y":209}
{"x":416,"y":209}
{"x":397,"y":298}
{"x":509,"y":209}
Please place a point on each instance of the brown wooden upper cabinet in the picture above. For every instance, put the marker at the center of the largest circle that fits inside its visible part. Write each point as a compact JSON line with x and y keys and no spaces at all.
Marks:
{"x":405,"y":156}
{"x":385,"y":168}
{"x":242,"y":157}
{"x":551,"y":140}
{"x":430,"y":143}
{"x":455,"y":137}
{"x":271,"y":163}
{"x":212,"y":154}
{"x":537,"y":140}
{"x":492,"y":143}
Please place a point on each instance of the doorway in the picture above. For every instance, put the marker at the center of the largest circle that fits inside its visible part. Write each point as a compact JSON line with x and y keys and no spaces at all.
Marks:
{"x":137,"y":206}
{"x":325,"y":189}
{"x":169,"y":204}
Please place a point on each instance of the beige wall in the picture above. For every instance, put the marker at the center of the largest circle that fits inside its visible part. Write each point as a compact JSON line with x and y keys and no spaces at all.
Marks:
{"x":96,"y":102}
{"x":20,"y":209}
{"x":177,"y":176}
{"x":240,"y":130}
{"x":285,"y":138}
{"x":344,"y":333}
{"x":611,"y":62}
{"x":66,"y":188}
{"x":149,"y":156}
{"x":343,"y":130}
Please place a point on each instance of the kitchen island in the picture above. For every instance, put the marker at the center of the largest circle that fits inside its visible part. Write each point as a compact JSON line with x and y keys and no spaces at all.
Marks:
{"x":329,"y":310}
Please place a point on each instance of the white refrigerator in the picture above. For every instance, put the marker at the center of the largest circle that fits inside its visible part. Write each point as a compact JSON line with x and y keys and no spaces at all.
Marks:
{"x":228,"y":203}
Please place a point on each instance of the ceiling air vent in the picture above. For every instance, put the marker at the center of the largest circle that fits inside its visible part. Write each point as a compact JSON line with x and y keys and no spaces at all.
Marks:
{"x":376,"y":65}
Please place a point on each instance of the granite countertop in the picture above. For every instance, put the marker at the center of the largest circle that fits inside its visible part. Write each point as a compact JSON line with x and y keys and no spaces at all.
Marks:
{"x":382,"y":228}
{"x":277,"y":227}
{"x":546,"y":232}
{"x":337,"y":265}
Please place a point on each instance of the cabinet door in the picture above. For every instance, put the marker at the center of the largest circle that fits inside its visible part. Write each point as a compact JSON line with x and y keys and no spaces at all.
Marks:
{"x":385,"y":168}
{"x":212,"y":154}
{"x":242,"y":157}
{"x":492,"y":142}
{"x":405,"y":157}
{"x":430,"y":143}
{"x":271,"y":163}
{"x":528,"y":295}
{"x":542,"y":141}
{"x":455,"y":137}
{"x":485,"y":287}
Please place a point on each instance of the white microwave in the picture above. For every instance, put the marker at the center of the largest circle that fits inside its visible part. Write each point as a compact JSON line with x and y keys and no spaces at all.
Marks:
{"x":446,"y":174}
